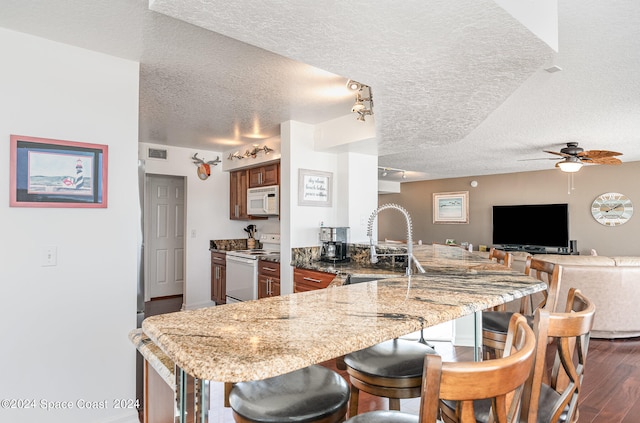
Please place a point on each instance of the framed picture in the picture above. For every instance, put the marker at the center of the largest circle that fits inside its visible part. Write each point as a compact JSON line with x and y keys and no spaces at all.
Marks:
{"x":314,"y":188}
{"x":56,"y":173}
{"x":451,"y":207}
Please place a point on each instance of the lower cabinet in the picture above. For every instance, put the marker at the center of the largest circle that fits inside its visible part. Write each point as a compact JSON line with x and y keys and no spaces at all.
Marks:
{"x":268,"y":279}
{"x":219,"y":277}
{"x":308,"y":280}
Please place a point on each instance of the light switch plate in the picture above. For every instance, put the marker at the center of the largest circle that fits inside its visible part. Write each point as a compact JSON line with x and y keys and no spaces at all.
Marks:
{"x":49,"y":256}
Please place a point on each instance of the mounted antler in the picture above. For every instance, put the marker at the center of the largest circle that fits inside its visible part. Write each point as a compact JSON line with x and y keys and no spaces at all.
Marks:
{"x":204,"y":168}
{"x":199,"y":161}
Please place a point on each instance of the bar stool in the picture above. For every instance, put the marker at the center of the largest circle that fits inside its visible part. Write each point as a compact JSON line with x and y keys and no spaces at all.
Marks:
{"x":500,"y":380}
{"x":551,"y":393}
{"x":494,"y":323}
{"x":312,"y":394}
{"x":390,"y":369}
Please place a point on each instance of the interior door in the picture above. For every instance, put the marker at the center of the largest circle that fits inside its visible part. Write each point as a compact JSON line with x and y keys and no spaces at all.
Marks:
{"x":165,"y":235}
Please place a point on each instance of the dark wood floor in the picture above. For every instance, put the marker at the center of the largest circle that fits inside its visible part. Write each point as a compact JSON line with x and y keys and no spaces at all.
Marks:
{"x":611,"y":387}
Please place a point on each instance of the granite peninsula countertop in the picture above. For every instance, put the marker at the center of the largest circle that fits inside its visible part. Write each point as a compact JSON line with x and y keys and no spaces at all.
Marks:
{"x":432,"y":258}
{"x":263,"y":338}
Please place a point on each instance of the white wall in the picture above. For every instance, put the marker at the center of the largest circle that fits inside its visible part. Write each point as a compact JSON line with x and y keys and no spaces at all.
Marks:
{"x":64,"y":328}
{"x":354,"y":192}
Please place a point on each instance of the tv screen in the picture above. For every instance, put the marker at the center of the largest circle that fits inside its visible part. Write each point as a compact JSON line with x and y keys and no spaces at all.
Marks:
{"x":542,"y":225}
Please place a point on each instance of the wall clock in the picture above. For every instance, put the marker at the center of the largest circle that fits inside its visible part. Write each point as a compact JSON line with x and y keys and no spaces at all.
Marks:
{"x":612,"y":209}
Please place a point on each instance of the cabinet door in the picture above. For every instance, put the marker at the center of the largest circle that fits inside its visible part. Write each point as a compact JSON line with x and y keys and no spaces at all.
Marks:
{"x":238,"y":195}
{"x":218,"y":278}
{"x":263,"y":288}
{"x":264,"y":175}
{"x":275,"y":287}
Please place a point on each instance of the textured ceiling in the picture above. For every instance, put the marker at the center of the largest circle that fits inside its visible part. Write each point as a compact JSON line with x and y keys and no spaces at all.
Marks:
{"x":459,"y":87}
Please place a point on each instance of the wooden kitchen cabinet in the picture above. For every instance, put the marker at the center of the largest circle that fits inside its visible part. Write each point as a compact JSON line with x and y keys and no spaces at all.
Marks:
{"x":264,"y":175}
{"x":238,"y":194}
{"x":219,"y":277}
{"x":268,"y":279}
{"x":308,"y":280}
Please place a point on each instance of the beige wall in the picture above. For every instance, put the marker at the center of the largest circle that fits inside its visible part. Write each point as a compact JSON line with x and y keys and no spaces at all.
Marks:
{"x":549,"y":186}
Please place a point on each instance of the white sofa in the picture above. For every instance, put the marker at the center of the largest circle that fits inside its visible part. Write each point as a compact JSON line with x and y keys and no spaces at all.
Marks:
{"x":612,"y":283}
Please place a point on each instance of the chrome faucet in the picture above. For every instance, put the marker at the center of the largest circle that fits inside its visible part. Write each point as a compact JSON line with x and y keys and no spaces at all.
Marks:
{"x":374,"y":255}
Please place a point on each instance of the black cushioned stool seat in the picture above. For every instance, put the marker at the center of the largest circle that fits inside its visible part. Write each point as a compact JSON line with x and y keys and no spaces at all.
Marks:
{"x":306,"y":395}
{"x":391,"y":369}
{"x":496,"y":322}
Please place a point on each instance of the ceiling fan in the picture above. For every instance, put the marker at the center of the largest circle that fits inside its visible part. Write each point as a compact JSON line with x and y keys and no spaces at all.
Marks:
{"x":575,"y":157}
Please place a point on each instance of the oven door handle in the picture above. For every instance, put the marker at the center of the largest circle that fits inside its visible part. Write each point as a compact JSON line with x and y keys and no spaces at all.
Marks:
{"x":240,"y":260}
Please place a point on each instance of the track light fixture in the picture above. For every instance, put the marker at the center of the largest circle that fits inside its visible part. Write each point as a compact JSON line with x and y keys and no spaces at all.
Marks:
{"x":253,"y":153}
{"x":364,"y":99}
{"x":391,"y":172}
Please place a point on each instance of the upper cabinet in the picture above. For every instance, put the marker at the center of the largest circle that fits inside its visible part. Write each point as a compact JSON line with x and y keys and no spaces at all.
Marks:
{"x":243,"y":179}
{"x":264,"y":175}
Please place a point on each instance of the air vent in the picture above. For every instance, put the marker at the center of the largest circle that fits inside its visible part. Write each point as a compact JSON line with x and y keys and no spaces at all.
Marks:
{"x":155,"y":153}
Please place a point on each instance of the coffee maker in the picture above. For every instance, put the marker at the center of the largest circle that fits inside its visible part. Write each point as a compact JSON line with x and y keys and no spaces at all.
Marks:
{"x":334,"y":244}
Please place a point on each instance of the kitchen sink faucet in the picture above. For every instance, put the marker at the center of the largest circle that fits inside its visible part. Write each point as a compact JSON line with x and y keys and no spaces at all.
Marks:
{"x":409,"y":254}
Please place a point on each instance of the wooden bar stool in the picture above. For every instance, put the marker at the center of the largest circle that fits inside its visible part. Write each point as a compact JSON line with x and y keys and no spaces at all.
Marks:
{"x":500,"y":380}
{"x":390,"y":369}
{"x":500,"y":256}
{"x":313,"y":394}
{"x":551,"y":393}
{"x":495,"y":323}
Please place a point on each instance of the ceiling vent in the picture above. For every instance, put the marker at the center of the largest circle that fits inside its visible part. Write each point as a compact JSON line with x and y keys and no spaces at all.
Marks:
{"x":155,"y":153}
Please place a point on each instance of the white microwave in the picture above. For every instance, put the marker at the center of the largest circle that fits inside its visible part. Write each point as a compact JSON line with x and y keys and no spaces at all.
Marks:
{"x":263,"y":201}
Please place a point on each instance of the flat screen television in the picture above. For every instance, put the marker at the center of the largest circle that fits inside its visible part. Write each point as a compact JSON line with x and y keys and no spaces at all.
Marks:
{"x":531,"y":225}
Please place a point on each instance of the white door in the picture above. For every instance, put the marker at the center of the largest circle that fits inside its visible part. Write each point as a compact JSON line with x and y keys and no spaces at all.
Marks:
{"x":164,"y":217}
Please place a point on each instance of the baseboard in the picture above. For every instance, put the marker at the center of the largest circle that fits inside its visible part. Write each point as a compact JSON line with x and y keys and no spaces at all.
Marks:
{"x":198,"y":305}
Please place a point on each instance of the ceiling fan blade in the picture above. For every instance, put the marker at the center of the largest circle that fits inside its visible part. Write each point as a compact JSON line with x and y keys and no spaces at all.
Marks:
{"x":605,"y":160}
{"x":540,"y":158}
{"x":557,"y":153}
{"x":596,"y":154}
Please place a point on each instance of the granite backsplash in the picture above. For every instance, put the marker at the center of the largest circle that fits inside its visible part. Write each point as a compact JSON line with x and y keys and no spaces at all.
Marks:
{"x":229,"y":244}
{"x":359,"y":254}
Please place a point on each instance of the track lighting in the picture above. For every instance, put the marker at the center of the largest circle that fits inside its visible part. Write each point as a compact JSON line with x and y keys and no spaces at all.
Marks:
{"x":391,"y":172}
{"x":364,"y":99}
{"x":253,"y":153}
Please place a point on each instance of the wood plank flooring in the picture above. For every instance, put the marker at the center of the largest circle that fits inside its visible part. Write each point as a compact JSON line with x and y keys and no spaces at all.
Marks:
{"x":611,"y":386}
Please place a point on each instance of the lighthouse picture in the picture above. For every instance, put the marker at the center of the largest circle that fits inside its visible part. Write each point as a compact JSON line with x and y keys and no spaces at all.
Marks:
{"x":57,"y":173}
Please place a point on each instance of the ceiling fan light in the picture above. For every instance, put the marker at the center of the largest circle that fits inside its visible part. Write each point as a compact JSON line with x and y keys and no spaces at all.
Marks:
{"x":570,"y":166}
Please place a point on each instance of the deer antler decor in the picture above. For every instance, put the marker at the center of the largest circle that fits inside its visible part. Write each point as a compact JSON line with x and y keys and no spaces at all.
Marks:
{"x":204,"y":168}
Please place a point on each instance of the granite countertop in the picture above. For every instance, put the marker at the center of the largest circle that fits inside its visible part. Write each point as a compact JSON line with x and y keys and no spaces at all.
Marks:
{"x":433,"y":258}
{"x":155,"y":356}
{"x":263,"y":338}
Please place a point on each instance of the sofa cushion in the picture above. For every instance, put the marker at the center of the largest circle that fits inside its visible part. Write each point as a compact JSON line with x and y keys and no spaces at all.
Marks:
{"x":577,"y":260}
{"x":627,"y":260}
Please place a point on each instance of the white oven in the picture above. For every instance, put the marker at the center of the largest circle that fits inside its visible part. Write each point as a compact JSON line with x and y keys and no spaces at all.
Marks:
{"x":263,"y":201}
{"x":242,"y":269}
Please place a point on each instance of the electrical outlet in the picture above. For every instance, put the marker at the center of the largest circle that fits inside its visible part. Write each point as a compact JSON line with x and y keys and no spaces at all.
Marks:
{"x":49,"y":256}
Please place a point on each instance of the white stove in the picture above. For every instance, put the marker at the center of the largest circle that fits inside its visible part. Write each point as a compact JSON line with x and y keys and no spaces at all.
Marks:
{"x":242,"y":269}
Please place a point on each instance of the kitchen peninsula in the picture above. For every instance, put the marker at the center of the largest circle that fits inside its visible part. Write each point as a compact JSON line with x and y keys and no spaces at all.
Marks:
{"x":259,"y":339}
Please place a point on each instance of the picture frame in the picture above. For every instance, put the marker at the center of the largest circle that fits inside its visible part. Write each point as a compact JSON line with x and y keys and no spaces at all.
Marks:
{"x":451,"y":207}
{"x":57,"y":173}
{"x":315,"y":188}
